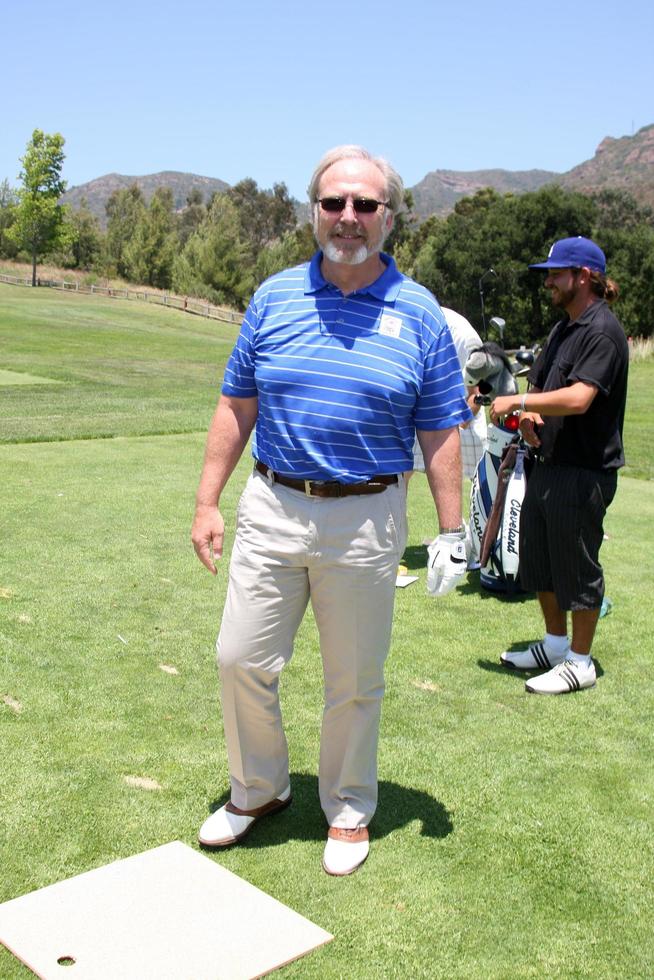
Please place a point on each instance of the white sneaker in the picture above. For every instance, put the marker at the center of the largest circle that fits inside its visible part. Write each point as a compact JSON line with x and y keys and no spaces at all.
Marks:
{"x":345,"y":850}
{"x":536,"y":657}
{"x":571,"y":675}
{"x":229,"y":824}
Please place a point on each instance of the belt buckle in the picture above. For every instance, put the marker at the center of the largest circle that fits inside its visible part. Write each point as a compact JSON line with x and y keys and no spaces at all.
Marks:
{"x":307,"y":487}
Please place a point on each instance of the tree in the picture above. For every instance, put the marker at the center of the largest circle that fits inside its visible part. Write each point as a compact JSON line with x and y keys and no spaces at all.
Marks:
{"x":244,"y":236}
{"x":149,"y":254}
{"x":404,"y":225}
{"x":191,"y":217}
{"x":407,"y":250}
{"x":264,"y":216}
{"x":124,"y":211}
{"x":8,"y":203}
{"x":508,"y":232}
{"x":619,"y":210}
{"x":625,"y":230}
{"x":215,"y":263}
{"x":281,"y":212}
{"x":85,"y":237}
{"x":294,"y":247}
{"x":38,"y":224}
{"x":505,"y":233}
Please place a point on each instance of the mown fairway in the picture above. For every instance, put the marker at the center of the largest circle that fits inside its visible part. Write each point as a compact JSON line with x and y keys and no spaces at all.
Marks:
{"x":514,"y":833}
{"x":122,"y":368}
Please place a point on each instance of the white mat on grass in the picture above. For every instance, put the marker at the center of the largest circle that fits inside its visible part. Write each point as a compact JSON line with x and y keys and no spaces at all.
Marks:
{"x":166,"y":914}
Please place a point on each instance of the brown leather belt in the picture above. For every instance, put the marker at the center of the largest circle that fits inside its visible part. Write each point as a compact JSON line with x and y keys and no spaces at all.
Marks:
{"x":327,"y":488}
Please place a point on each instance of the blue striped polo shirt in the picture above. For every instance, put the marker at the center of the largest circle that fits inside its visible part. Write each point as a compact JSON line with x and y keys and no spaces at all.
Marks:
{"x":343,"y":381}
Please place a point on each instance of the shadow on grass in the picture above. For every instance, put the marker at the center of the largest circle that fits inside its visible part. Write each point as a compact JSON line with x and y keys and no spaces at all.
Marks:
{"x":473,"y":584}
{"x":414,"y":557}
{"x":304,"y":820}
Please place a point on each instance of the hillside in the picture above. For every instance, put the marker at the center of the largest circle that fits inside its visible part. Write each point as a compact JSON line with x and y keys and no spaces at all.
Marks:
{"x":626,"y":164}
{"x":97,"y":192}
{"x":438,"y":192}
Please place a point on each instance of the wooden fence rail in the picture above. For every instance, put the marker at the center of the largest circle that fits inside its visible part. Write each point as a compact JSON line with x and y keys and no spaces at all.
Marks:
{"x":187,"y":305}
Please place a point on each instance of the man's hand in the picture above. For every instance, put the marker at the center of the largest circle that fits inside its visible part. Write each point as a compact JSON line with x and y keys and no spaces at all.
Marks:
{"x":207,"y":535}
{"x":446,"y":563}
{"x":528,"y":423}
{"x":503,"y":405}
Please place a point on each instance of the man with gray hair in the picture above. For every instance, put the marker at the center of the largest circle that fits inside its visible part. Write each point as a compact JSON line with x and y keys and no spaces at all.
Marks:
{"x":338,"y":362}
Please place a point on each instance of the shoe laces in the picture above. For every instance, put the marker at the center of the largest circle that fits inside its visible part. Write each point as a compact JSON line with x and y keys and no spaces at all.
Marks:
{"x":575,"y":665}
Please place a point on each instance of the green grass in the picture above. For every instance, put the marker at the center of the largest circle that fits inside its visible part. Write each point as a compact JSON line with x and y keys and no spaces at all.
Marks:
{"x":639,"y":422}
{"x":513,"y":836}
{"x":126,"y":368}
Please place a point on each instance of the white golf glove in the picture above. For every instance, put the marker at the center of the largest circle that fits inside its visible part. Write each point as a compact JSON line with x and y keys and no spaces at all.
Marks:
{"x":446,"y":563}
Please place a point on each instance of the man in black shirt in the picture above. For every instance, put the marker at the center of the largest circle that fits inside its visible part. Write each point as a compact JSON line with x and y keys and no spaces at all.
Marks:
{"x":573,"y":415}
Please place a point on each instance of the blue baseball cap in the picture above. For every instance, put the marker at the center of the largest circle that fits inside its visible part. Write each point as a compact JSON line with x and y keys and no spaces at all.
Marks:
{"x":574,"y":253}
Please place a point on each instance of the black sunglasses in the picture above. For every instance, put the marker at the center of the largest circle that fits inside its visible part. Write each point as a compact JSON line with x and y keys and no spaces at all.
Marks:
{"x":361,"y":205}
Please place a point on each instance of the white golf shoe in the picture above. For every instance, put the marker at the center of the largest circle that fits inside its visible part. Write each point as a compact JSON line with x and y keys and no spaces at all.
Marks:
{"x":536,"y":657}
{"x":229,"y":824}
{"x":346,"y":850}
{"x":569,"y":676}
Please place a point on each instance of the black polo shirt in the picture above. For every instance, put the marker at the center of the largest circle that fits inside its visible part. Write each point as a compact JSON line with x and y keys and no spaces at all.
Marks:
{"x":592,"y":349}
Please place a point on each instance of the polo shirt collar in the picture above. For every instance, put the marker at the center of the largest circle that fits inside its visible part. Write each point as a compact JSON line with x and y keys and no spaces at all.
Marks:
{"x":587,"y":316}
{"x":385,"y":288}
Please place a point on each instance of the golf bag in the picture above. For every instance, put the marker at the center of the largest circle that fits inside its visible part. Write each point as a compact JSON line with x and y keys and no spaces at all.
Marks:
{"x":496,"y":495}
{"x":498,"y":486}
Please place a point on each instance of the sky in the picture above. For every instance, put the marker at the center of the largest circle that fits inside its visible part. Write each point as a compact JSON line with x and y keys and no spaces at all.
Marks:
{"x":262,"y":89}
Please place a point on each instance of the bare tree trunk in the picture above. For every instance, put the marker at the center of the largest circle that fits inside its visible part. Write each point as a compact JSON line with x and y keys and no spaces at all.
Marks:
{"x":34,"y":266}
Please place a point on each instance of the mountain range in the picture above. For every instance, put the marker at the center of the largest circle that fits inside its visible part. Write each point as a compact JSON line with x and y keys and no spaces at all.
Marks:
{"x":626,"y":163}
{"x":439,"y":190}
{"x":97,"y":192}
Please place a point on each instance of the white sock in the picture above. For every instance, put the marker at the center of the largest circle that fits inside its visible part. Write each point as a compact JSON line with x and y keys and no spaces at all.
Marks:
{"x":557,"y":644}
{"x":581,"y":658}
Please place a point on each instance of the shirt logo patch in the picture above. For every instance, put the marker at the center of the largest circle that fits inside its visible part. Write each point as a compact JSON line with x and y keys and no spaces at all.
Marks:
{"x":390,"y":326}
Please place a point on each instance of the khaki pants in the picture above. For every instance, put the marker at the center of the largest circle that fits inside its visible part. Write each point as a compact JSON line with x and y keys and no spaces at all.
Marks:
{"x":342,"y":553}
